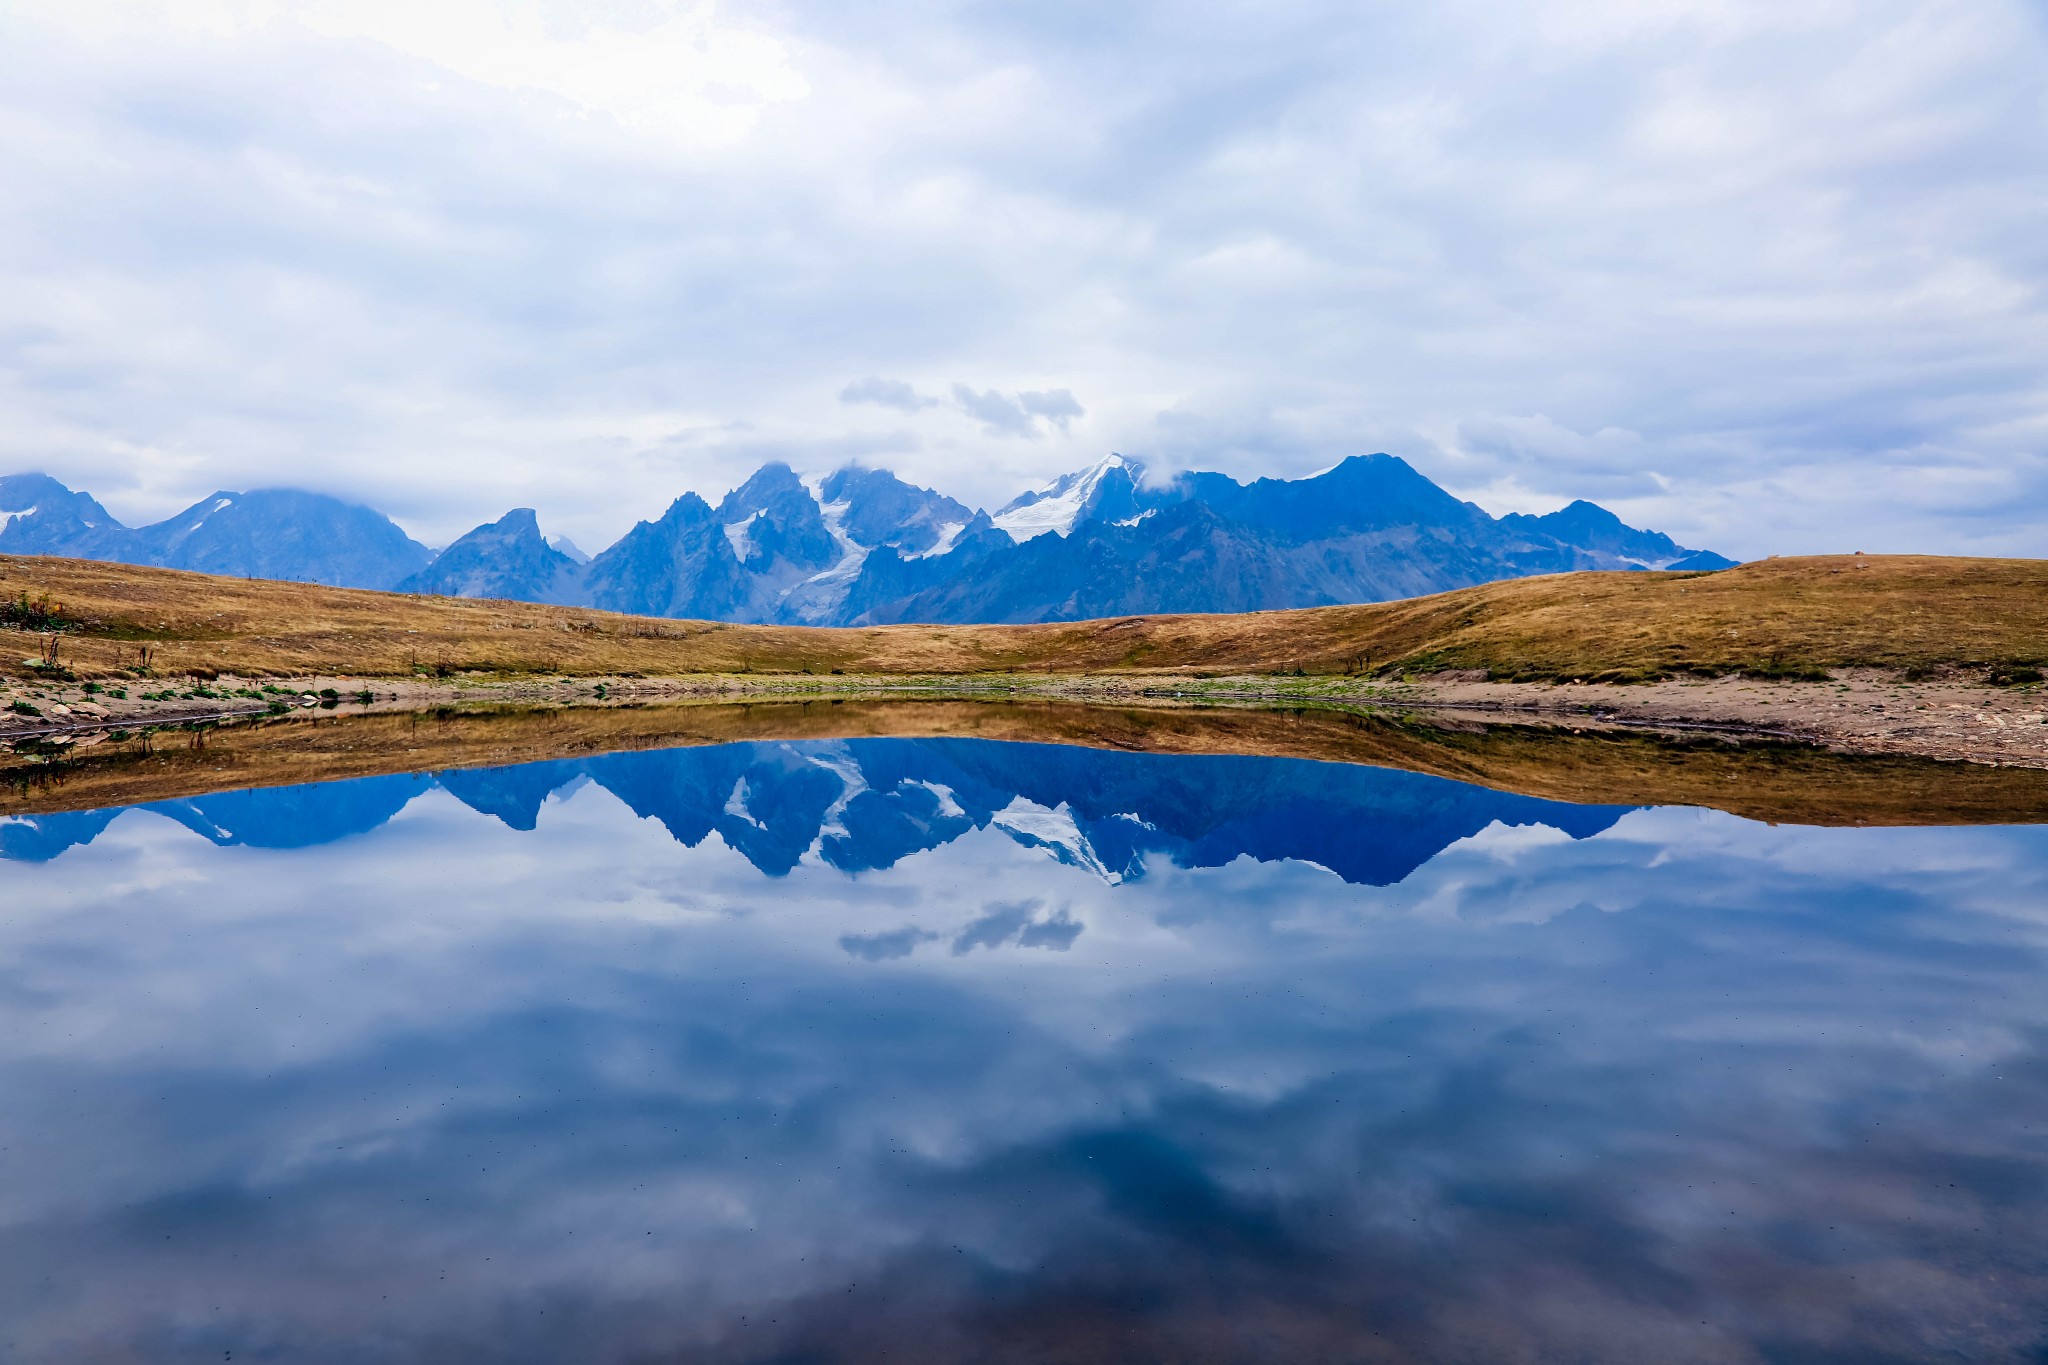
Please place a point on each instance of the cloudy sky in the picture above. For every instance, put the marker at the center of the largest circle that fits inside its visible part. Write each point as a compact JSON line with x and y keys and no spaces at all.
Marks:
{"x":1767,"y":275}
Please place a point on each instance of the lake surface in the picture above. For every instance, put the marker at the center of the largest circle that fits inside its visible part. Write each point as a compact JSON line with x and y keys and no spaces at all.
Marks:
{"x":951,"y":1050}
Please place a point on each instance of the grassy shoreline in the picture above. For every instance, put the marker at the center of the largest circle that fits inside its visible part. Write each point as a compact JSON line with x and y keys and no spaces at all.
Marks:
{"x":1783,"y":618}
{"x":1876,"y":654}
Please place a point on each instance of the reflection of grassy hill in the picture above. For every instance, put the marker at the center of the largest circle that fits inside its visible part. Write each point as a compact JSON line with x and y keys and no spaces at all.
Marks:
{"x":1796,"y":785}
{"x":1773,"y":616}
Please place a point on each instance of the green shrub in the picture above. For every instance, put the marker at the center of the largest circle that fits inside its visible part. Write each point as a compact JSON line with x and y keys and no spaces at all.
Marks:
{"x":38,"y":614}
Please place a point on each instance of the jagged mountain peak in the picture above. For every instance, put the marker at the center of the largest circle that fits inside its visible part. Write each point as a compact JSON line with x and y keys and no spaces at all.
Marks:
{"x":24,"y":493}
{"x":505,"y":558}
{"x":1106,"y":489}
{"x":777,"y":528}
{"x":680,"y":565}
{"x":774,"y":485}
{"x":39,"y":515}
{"x":880,"y":509}
{"x":1592,"y":527}
{"x":689,"y":506}
{"x":1359,"y":493}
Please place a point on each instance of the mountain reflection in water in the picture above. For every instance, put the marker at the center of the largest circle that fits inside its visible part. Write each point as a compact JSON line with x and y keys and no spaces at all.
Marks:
{"x":867,"y":804}
{"x":1017,"y":1053}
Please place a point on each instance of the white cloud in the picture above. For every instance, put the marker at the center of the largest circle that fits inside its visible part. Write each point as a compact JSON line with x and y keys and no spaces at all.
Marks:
{"x":887,"y":393}
{"x":1768,"y":276}
{"x":1025,"y":414}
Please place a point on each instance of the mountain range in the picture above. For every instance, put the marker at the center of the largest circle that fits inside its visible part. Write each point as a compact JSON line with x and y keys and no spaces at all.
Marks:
{"x":863,"y":547}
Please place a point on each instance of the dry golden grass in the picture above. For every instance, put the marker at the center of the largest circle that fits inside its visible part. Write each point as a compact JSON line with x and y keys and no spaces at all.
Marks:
{"x":1774,"y":615}
{"x":1778,"y":783}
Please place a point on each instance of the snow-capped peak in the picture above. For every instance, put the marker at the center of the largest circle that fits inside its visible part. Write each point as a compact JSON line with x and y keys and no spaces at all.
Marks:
{"x":1060,"y":504}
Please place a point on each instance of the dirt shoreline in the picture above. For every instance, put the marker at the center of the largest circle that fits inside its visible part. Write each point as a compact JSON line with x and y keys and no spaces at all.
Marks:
{"x":1861,"y":711}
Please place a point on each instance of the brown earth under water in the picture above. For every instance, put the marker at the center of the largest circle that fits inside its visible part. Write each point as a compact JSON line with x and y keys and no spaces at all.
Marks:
{"x":1764,"y":781}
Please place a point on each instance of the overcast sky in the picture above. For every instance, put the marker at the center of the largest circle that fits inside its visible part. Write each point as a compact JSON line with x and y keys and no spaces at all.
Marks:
{"x":1767,"y":274}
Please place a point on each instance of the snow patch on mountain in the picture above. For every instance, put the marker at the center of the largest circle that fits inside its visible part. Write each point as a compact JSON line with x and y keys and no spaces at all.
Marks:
{"x":740,"y":535}
{"x":199,"y":519}
{"x":1059,"y":505}
{"x":947,"y":533}
{"x":818,"y":596}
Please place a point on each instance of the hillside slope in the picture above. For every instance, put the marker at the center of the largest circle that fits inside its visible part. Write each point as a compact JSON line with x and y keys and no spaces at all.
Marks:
{"x":1775,"y":616}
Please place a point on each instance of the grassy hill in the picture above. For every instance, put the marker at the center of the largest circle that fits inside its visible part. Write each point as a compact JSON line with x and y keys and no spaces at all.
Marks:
{"x":1779,"y":617}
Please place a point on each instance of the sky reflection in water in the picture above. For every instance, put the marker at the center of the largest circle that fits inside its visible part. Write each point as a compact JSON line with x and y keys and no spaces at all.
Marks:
{"x":943,"y":1049}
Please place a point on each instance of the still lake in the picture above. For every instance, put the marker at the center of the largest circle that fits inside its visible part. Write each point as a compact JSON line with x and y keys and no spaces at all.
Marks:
{"x":956,"y":1050}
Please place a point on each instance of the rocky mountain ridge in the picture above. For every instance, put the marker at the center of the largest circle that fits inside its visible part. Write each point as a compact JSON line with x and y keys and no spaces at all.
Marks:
{"x":861,"y":546}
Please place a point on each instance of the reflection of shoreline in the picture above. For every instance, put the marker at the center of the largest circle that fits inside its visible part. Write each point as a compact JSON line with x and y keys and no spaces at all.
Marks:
{"x":1857,"y":711}
{"x":1584,"y":764}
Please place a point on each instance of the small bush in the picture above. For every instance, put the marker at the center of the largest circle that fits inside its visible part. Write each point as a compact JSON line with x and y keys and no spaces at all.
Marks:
{"x":37,"y":613}
{"x":22,"y":708}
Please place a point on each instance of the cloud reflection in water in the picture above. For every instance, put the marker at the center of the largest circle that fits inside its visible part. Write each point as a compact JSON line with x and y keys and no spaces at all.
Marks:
{"x":555,"y":1086}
